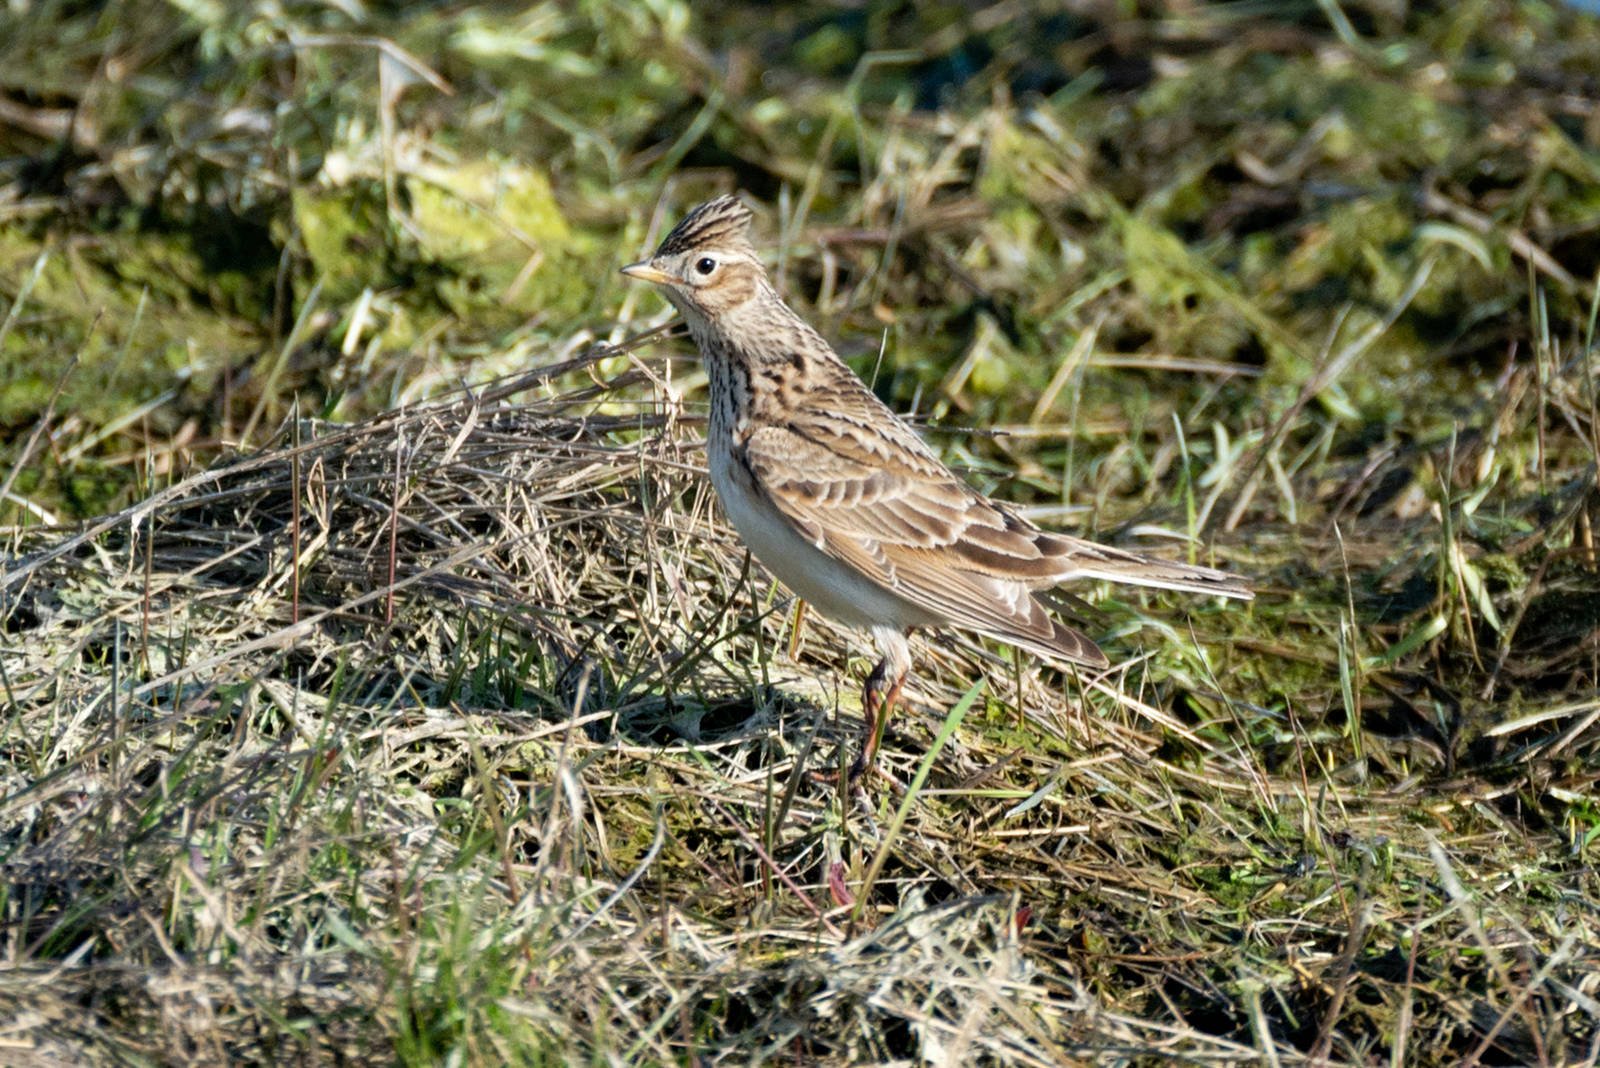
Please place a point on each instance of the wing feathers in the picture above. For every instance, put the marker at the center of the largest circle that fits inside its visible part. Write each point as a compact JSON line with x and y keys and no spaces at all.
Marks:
{"x":902,"y":519}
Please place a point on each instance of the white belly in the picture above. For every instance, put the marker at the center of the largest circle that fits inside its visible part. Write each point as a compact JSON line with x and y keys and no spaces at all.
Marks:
{"x":834,"y":589}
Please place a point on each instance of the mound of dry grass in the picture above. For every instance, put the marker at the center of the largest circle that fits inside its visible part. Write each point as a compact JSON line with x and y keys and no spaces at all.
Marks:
{"x":468,"y":730}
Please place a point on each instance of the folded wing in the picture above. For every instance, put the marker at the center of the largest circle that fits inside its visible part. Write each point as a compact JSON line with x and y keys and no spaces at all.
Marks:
{"x":889,"y":508}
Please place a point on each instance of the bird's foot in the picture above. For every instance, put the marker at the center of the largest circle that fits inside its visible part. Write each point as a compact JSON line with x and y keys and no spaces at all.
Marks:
{"x":878,"y":699}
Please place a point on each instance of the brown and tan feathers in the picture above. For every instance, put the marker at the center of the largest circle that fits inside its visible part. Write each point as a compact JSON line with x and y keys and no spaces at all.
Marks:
{"x":864,"y":488}
{"x":721,"y":223}
{"x":825,"y":459}
{"x":923,"y":539}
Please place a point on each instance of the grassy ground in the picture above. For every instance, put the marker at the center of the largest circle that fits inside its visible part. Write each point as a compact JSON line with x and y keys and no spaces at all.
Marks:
{"x":380,"y":683}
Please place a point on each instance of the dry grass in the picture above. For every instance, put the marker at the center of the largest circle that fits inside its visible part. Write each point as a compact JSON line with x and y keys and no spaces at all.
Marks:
{"x":450,"y":725}
{"x":469,"y":728}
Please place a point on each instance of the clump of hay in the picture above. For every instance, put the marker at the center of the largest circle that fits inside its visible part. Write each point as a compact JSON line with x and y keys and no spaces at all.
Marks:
{"x":406,"y":731}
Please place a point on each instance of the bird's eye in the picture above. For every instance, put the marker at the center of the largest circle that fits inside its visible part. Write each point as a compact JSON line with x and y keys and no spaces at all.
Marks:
{"x":705,"y":264}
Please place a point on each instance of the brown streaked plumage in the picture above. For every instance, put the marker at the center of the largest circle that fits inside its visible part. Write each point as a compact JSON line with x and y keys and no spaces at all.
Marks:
{"x":843,"y":502}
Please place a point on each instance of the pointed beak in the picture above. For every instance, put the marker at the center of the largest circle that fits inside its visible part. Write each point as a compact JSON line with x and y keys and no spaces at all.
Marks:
{"x":644,"y":272}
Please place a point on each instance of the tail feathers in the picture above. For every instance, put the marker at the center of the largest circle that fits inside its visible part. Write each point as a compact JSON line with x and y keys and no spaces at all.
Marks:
{"x":1176,"y":577}
{"x":1088,"y":560}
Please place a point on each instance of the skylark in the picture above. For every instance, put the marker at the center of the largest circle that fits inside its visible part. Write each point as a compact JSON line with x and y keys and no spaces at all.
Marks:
{"x":843,"y":502}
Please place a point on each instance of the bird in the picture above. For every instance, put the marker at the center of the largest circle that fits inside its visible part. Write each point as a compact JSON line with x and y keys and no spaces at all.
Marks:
{"x":841,"y":499}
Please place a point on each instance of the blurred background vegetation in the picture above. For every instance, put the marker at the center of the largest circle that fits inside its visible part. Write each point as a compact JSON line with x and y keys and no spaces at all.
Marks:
{"x":207,"y":209}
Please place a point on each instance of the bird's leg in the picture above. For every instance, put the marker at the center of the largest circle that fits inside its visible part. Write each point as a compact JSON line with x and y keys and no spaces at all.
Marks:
{"x":878,"y":697}
{"x":881,"y":691}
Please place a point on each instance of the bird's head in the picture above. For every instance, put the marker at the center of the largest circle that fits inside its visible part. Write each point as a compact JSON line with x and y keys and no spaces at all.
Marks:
{"x":706,"y":266}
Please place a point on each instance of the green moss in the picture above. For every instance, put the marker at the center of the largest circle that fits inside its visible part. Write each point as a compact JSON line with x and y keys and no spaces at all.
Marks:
{"x":1396,"y":123}
{"x":830,"y":48}
{"x":484,"y":239}
{"x":344,"y":232}
{"x":1350,"y":239}
{"x":992,"y":359}
{"x":138,"y":311}
{"x":496,"y":230}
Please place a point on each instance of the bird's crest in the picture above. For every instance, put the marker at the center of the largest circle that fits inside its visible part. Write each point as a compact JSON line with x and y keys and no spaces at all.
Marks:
{"x":720,"y":222}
